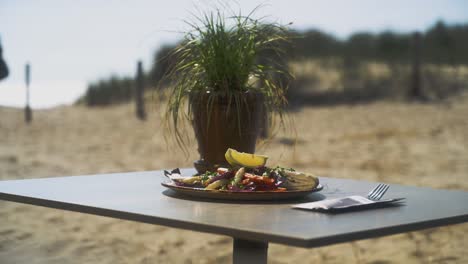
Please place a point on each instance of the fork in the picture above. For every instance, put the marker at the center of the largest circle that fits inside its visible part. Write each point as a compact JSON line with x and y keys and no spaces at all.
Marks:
{"x":377,"y":193}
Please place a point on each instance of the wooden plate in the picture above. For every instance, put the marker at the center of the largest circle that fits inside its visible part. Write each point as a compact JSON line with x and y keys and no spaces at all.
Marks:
{"x":240,"y":196}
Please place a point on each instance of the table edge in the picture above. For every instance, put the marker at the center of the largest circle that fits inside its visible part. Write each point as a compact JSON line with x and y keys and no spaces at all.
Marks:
{"x":249,"y":235}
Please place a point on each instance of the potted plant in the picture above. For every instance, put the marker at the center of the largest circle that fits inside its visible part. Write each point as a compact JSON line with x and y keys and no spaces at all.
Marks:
{"x":224,"y":83}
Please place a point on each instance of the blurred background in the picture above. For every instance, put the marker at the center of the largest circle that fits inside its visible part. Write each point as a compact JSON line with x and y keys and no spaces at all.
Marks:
{"x":380,"y":94}
{"x":74,"y":47}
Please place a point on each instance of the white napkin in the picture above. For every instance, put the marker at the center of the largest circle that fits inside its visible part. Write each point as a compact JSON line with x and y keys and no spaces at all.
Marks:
{"x":348,"y":202}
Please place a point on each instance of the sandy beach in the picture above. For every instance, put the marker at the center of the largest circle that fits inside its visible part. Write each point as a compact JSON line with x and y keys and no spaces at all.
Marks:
{"x":390,"y":141}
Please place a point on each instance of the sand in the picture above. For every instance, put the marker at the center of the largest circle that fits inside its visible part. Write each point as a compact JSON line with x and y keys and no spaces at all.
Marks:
{"x":413,"y":144}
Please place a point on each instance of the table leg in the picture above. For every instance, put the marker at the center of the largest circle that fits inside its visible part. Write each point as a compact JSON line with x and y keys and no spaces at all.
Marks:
{"x":247,"y":251}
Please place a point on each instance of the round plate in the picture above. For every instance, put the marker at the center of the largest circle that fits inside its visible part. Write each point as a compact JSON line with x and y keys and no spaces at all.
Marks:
{"x":239,"y":196}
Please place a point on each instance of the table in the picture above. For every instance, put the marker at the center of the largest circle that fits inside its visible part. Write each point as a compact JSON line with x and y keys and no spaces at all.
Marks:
{"x":139,"y":196}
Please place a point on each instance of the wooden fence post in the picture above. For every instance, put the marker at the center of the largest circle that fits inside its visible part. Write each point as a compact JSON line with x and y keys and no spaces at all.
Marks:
{"x":415,"y":91}
{"x":139,"y":90}
{"x":27,"y":110}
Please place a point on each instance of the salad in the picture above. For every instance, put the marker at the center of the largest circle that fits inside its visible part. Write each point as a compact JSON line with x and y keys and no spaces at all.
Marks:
{"x":248,"y":173}
{"x":243,"y":179}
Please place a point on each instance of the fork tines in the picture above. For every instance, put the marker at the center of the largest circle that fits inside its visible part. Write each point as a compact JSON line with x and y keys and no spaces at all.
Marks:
{"x":378,"y":191}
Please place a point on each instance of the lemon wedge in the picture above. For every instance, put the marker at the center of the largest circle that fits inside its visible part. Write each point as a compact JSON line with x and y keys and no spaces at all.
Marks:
{"x":229,"y":159}
{"x":242,"y":159}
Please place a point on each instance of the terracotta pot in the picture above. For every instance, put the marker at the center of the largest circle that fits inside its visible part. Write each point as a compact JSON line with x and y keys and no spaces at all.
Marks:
{"x":225,"y":125}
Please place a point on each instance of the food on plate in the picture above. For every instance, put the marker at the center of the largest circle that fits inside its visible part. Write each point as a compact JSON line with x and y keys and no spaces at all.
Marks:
{"x":243,"y":176}
{"x":299,"y":180}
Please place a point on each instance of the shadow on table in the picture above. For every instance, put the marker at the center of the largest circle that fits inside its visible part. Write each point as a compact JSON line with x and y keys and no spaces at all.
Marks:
{"x":313,"y":197}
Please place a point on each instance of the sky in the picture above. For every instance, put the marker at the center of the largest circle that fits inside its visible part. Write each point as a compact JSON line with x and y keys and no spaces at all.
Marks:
{"x":71,"y":43}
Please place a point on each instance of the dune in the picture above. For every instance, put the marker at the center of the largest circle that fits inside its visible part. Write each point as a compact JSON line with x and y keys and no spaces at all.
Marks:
{"x":390,"y":141}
